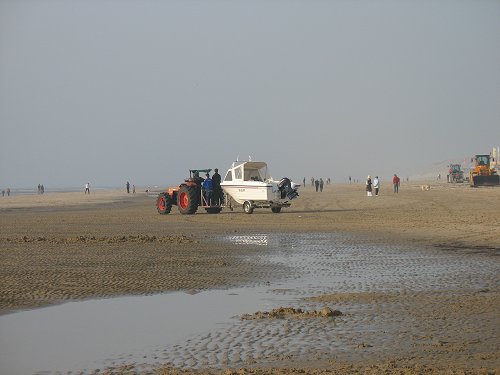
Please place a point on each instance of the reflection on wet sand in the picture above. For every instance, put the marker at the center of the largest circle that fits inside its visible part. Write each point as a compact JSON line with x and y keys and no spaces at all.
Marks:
{"x":371,"y":285}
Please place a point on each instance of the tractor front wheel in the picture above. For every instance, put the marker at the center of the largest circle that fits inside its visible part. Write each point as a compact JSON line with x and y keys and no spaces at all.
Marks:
{"x":163,"y":204}
{"x":187,"y":199}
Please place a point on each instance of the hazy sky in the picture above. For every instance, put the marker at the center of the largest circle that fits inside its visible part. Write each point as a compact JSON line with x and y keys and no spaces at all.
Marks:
{"x":105,"y":91}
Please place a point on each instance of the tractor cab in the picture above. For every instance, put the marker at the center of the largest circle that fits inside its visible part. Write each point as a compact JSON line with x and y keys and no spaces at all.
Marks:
{"x":195,"y":176}
{"x":482,"y":160}
{"x":483,"y":174}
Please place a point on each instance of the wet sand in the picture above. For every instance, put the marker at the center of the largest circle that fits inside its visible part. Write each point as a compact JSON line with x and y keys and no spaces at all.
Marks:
{"x":66,"y":246}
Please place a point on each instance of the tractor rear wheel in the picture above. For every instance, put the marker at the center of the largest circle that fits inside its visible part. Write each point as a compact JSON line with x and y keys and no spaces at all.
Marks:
{"x":187,"y":199}
{"x":163,"y":204}
{"x":213,"y":210}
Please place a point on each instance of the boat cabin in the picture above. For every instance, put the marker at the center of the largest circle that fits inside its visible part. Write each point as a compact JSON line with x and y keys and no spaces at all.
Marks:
{"x":248,"y":171}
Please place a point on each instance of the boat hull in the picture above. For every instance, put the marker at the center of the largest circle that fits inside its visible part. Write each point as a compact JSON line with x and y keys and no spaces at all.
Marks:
{"x":255,"y":192}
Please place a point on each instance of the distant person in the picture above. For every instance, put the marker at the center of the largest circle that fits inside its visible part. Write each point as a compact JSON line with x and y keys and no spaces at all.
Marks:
{"x":3,"y":192}
{"x":208,"y":188}
{"x":39,"y":189}
{"x":369,"y":186}
{"x":321,"y":183}
{"x":128,"y":187}
{"x":395,"y":182}
{"x":349,"y":179}
{"x":312,"y":181}
{"x":304,"y":181}
{"x":217,"y":190}
{"x":376,"y":185}
{"x":133,"y":189}
{"x":87,"y":188}
{"x":316,"y":183}
{"x":42,"y":189}
{"x":8,"y":192}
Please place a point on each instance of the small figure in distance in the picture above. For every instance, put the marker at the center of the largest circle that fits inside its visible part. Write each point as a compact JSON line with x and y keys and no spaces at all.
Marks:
{"x":395,"y":182}
{"x":8,"y":192}
{"x":369,"y":186}
{"x":376,"y":185}
{"x":128,"y":187}
{"x":133,"y":189}
{"x":321,"y":183}
{"x":316,"y":184}
{"x":87,"y":188}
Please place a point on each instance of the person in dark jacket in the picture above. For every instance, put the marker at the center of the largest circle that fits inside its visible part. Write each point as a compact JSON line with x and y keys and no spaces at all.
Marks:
{"x":217,"y":195}
{"x":369,"y":186}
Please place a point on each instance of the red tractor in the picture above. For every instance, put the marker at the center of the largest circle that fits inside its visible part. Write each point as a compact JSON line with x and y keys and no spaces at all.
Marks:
{"x":188,"y":196}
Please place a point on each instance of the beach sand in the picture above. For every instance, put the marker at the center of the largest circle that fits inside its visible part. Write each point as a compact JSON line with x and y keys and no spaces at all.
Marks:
{"x":69,"y":246}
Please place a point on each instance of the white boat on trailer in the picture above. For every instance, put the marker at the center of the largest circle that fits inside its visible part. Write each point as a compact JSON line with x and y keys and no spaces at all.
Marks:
{"x":250,"y":183}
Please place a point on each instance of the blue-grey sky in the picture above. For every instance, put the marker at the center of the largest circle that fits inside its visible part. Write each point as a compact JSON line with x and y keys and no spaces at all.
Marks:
{"x":106,"y":91}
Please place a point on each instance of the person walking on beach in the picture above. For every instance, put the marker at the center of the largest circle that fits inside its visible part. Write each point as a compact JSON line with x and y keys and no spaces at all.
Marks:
{"x":133,"y":189}
{"x":321,"y":183}
{"x":128,"y":187}
{"x":42,"y":189}
{"x":395,"y":182}
{"x":39,"y":189}
{"x":3,"y":192}
{"x":316,"y":183}
{"x":304,"y":182}
{"x":376,"y":185}
{"x":8,"y":192}
{"x":369,"y":186}
{"x":87,"y":188}
{"x":312,"y":181}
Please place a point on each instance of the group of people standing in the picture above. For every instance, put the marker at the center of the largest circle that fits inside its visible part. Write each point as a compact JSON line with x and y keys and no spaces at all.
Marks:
{"x":375,"y":185}
{"x":318,"y":184}
{"x":41,"y":189}
{"x":212,"y":191}
{"x":6,"y":191}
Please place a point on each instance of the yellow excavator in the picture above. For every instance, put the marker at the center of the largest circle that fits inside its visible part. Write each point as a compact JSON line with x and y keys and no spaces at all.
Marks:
{"x":483,"y":174}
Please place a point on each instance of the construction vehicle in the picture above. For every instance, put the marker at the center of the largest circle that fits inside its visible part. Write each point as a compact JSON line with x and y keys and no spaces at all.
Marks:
{"x":188,"y":196}
{"x":483,"y":174}
{"x":455,"y":174}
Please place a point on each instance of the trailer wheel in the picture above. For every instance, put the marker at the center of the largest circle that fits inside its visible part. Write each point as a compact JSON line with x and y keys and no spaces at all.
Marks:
{"x":276,"y":210}
{"x":163,"y":204}
{"x":247,"y":207}
{"x":213,"y":210}
{"x":187,"y":200}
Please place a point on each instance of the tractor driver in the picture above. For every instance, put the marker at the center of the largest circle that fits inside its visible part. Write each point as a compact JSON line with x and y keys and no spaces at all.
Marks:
{"x":208,"y":188}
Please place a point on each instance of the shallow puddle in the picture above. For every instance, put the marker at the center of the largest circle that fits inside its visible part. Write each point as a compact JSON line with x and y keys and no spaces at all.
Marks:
{"x":203,"y":329}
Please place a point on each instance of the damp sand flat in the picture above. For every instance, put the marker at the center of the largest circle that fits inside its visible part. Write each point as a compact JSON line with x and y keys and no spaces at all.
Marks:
{"x":376,"y":288}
